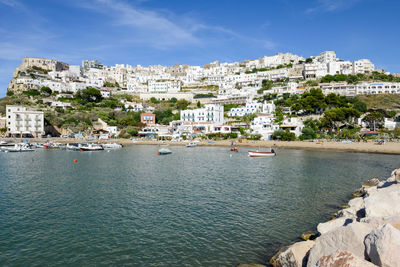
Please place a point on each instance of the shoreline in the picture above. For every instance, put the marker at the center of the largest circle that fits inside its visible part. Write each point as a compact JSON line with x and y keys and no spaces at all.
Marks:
{"x":366,"y":232}
{"x":360,"y":147}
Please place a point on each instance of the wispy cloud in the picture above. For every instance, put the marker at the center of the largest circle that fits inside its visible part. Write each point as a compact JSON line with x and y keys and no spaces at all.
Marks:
{"x":322,"y":6}
{"x":162,"y":29}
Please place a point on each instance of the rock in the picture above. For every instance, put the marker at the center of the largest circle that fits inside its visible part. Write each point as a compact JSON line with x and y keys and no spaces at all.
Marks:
{"x":350,"y":213}
{"x":356,"y":203}
{"x":292,"y":256}
{"x":384,"y":202}
{"x":359,"y":193}
{"x":369,"y":183}
{"x":343,"y":259}
{"x":250,"y":265}
{"x":395,"y":176}
{"x":370,"y":190}
{"x":308,"y":236}
{"x":382,"y":246}
{"x":376,"y":222}
{"x":325,"y":227}
{"x":345,"y":238}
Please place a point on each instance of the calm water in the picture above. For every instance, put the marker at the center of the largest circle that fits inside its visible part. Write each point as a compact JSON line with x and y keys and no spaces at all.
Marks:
{"x":197,"y":206}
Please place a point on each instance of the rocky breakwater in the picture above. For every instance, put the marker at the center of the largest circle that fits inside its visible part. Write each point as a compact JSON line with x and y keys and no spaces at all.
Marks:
{"x":365,"y":233}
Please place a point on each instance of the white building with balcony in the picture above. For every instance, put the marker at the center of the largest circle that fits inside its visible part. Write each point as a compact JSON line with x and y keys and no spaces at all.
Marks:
{"x":363,"y":66}
{"x":210,"y":113}
{"x":21,"y":121}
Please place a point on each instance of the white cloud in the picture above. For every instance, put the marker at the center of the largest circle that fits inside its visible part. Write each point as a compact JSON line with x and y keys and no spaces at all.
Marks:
{"x":322,"y":6}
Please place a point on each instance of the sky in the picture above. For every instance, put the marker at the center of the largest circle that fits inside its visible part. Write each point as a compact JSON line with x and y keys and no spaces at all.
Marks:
{"x":165,"y":32}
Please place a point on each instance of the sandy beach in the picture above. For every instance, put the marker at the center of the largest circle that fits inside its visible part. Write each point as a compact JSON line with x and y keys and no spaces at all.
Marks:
{"x":365,"y":147}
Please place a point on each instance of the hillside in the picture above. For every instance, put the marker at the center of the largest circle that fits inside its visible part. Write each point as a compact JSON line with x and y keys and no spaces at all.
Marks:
{"x":381,"y":101}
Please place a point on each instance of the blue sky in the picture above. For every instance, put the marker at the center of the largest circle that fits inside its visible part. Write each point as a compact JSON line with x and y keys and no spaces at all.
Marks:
{"x":165,"y":32}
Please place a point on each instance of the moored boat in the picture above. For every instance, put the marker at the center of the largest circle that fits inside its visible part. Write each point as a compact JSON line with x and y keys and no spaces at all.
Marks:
{"x":191,"y":144}
{"x":91,"y":147}
{"x":112,"y":146}
{"x":164,"y":151}
{"x":23,"y":147}
{"x":257,"y":153}
{"x":74,"y":146}
{"x":51,"y":146}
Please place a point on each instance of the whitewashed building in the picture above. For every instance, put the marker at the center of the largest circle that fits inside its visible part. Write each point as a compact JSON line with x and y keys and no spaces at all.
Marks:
{"x":21,"y":121}
{"x":210,"y":113}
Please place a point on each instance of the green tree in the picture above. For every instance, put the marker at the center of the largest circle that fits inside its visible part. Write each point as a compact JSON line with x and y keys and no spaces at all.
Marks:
{"x":308,"y":133}
{"x":89,"y":95}
{"x":46,"y":90}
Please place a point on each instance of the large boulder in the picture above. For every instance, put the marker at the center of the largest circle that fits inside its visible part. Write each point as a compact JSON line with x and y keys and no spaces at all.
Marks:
{"x":395,"y":176}
{"x":376,"y":222}
{"x":343,"y":259}
{"x":345,"y":238}
{"x":292,"y":256}
{"x":382,"y":246}
{"x":384,"y":202}
{"x":325,"y":227}
{"x":356,"y":203}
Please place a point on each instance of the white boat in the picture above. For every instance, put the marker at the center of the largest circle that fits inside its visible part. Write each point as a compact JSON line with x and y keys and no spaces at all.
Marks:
{"x":164,"y":151}
{"x":191,"y":144}
{"x":91,"y":147}
{"x":257,"y":153}
{"x":75,"y":147}
{"x":112,"y":146}
{"x":52,"y":146}
{"x":23,"y":147}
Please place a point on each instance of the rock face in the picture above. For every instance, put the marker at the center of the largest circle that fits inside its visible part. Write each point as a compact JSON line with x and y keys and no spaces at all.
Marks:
{"x":346,"y":238}
{"x":383,"y":202}
{"x":382,"y":246}
{"x":332,"y":225}
{"x":292,"y":256}
{"x":376,"y":222}
{"x":343,"y":259}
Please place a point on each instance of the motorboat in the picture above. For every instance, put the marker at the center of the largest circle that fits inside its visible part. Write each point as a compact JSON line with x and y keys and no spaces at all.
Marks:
{"x":73,"y":146}
{"x":22,"y":147}
{"x":91,"y":147}
{"x":51,"y":146}
{"x":112,"y":146}
{"x":164,"y":151}
{"x":257,"y":153}
{"x":191,"y":144}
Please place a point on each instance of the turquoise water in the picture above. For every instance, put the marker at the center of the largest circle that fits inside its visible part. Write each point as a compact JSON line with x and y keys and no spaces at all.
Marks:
{"x":196,"y":207}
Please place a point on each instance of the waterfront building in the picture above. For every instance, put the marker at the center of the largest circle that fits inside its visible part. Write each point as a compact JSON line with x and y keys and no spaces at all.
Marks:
{"x":210,"y":113}
{"x":250,"y":108}
{"x":21,"y":121}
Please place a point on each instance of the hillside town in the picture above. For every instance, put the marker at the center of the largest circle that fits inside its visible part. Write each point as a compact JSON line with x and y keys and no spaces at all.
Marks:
{"x":285,"y":97}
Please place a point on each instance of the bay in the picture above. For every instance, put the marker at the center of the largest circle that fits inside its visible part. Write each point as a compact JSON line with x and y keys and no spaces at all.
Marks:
{"x":202,"y":206}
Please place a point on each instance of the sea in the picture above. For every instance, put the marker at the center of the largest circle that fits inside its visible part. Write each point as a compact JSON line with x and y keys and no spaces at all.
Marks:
{"x":200,"y":206}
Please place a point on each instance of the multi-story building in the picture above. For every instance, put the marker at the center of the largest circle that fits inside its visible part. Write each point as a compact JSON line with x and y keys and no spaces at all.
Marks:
{"x":21,"y":121}
{"x":210,"y":113}
{"x":364,"y":88}
{"x":163,"y":86}
{"x":363,"y":66}
{"x":250,"y":108}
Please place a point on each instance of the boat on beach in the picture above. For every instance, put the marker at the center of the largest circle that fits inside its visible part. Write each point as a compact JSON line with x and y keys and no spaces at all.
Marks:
{"x":91,"y":147}
{"x":257,"y":153}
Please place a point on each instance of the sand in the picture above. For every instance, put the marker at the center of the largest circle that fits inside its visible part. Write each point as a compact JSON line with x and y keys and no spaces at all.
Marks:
{"x":366,"y":147}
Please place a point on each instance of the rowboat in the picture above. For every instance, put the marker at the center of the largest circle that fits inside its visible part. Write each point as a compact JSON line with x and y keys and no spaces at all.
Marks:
{"x":256,"y":153}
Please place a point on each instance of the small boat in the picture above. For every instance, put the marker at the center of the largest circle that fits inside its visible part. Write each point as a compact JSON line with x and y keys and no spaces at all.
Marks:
{"x":112,"y":146}
{"x":191,"y":144}
{"x":91,"y":147}
{"x":23,"y":147}
{"x":74,"y":147}
{"x":164,"y":151}
{"x":257,"y":153}
{"x":51,"y":146}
